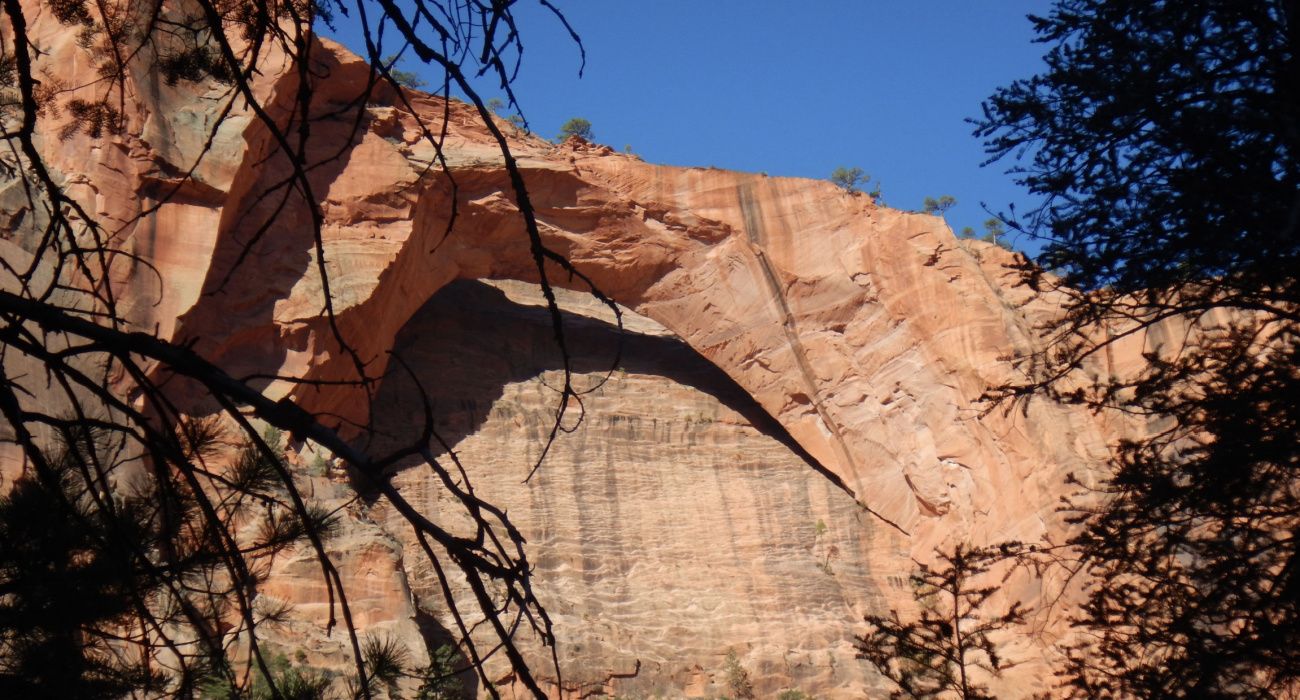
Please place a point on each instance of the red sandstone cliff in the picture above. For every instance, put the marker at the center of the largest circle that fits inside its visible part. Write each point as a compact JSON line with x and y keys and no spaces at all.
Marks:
{"x":783,"y":326}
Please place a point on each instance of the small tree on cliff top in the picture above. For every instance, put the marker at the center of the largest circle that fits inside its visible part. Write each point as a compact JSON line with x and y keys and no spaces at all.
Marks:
{"x":849,"y":179}
{"x":938,"y":206}
{"x":576,"y":126}
{"x":406,"y":78}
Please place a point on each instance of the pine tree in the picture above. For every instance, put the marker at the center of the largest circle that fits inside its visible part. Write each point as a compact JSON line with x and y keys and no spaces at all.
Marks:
{"x":1164,"y":139}
{"x":937,"y":654}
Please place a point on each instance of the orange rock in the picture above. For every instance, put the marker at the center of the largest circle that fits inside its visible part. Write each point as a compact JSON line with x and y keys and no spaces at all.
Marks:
{"x":679,"y":523}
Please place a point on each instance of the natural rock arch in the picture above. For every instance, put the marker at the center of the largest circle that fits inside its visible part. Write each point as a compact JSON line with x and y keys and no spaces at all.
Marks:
{"x":869,"y":333}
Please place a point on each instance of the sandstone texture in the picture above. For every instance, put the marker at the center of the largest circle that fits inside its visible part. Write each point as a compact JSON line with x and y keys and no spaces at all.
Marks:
{"x":794,"y":421}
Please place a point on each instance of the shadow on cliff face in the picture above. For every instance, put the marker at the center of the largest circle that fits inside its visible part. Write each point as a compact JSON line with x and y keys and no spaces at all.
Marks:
{"x":251,"y":271}
{"x":470,"y":340}
{"x":676,"y":522}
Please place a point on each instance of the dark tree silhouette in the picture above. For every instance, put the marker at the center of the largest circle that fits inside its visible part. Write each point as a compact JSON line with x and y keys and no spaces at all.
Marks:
{"x":934,"y":655}
{"x":1164,"y":138}
{"x":67,"y":582}
{"x":125,"y":495}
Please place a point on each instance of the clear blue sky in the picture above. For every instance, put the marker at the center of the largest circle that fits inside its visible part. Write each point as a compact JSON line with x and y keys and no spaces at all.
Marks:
{"x":791,"y":88}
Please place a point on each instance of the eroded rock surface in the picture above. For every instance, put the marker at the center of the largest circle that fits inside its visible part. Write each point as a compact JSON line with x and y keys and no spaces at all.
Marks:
{"x":654,"y":528}
{"x":762,"y":469}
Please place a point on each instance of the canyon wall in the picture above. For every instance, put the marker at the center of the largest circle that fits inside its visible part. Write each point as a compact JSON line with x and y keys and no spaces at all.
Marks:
{"x":794,"y":422}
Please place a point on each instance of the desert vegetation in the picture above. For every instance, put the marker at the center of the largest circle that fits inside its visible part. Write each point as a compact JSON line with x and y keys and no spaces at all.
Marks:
{"x":577,"y":126}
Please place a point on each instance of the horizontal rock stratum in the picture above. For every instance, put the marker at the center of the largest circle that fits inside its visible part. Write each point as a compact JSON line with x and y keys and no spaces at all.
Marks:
{"x":796,"y":418}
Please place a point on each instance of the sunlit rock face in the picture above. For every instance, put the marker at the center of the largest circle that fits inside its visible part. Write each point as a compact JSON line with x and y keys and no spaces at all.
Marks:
{"x":679,"y":522}
{"x":801,"y":421}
